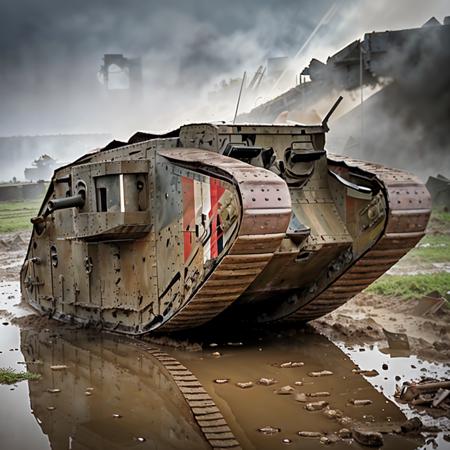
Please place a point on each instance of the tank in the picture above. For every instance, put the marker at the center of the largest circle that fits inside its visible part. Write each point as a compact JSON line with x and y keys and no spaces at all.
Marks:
{"x":246,"y":222}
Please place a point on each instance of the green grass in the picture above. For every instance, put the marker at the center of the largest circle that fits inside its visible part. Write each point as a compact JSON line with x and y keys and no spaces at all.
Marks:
{"x":433,"y":248}
{"x":411,"y":286}
{"x":440,"y":217}
{"x":15,"y":216}
{"x":11,"y":376}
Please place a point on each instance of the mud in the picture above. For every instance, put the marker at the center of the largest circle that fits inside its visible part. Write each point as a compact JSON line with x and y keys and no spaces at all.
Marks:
{"x":363,"y":319}
{"x":107,"y":375}
{"x":114,"y":393}
{"x":13,"y":248}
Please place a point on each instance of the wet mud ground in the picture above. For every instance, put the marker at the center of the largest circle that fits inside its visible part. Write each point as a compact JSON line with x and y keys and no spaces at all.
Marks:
{"x":113,"y":393}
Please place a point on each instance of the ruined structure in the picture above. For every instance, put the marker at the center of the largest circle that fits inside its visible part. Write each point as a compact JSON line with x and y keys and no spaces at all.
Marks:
{"x":380,"y":56}
{"x":130,"y":68}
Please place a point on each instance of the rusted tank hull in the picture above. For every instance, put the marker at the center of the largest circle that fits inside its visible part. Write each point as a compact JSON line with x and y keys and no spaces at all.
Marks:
{"x":250,"y":222}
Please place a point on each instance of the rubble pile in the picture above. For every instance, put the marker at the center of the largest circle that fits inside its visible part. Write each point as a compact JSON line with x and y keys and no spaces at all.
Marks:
{"x":428,"y":393}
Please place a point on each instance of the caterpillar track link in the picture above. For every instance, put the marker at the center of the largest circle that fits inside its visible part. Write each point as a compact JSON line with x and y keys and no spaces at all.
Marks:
{"x":248,"y":222}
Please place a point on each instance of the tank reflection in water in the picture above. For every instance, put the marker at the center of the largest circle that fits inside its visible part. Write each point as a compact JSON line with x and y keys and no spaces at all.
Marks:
{"x":110,"y":396}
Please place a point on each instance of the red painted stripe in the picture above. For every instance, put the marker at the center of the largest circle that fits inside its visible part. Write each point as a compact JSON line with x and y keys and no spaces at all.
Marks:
{"x":216,"y":191}
{"x":188,"y":214}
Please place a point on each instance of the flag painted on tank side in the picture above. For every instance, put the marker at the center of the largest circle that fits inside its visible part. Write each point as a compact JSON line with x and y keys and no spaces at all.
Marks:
{"x":202,"y":199}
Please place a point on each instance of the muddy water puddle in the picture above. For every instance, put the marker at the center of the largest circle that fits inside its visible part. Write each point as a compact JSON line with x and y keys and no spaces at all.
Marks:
{"x":395,"y":367}
{"x":111,"y":393}
{"x":260,"y":406}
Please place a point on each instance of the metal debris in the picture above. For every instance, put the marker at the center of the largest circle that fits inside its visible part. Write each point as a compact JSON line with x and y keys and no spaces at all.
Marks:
{"x":366,"y":373}
{"x":290,"y":364}
{"x":367,"y":437}
{"x":414,"y":424}
{"x":332,"y":413}
{"x":440,"y":396}
{"x":269,"y":430}
{"x":345,"y":421}
{"x":58,"y":367}
{"x":397,"y":341}
{"x":267,"y":381}
{"x":364,"y":402}
{"x":344,"y":433}
{"x":285,"y":390}
{"x":329,"y":439}
{"x":316,"y":406}
{"x":322,"y":373}
{"x":221,"y":380}
{"x":301,"y":397}
{"x":429,"y":304}
{"x":245,"y":385}
{"x":431,"y":394}
{"x":318,"y":394}
{"x":310,"y":434}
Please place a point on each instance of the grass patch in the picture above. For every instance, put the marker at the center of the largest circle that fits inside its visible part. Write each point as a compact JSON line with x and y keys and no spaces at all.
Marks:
{"x":432,"y":248}
{"x":411,"y":286}
{"x":11,"y":376}
{"x":15,"y":216}
{"x":440,"y":217}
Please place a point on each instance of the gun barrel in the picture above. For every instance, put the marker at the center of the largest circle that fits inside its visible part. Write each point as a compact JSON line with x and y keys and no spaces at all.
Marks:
{"x":66,"y":202}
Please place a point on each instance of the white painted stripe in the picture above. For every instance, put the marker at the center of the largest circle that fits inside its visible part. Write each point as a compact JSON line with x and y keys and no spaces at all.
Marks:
{"x":122,"y":194}
{"x":206,"y":198}
{"x":206,"y":208}
{"x":197,"y":200}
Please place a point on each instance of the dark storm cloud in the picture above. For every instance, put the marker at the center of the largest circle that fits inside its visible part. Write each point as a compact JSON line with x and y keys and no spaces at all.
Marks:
{"x":50,"y":51}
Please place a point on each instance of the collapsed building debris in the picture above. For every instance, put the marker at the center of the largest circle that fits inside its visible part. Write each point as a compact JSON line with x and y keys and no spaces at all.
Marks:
{"x":429,"y":393}
{"x":391,"y":112}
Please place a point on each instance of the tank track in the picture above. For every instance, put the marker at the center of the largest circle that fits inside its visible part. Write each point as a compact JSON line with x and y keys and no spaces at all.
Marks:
{"x":210,"y":420}
{"x":409,"y":210}
{"x":265,"y":217}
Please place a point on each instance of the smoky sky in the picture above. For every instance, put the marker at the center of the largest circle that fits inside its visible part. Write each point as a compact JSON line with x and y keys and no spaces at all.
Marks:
{"x":51,"y":51}
{"x":405,"y":124}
